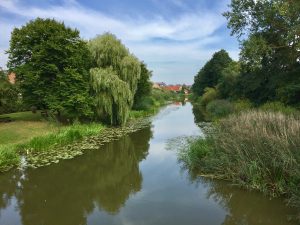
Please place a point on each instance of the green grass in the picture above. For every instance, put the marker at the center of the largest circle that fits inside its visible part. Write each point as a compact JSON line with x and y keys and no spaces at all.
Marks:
{"x":135,"y":114}
{"x":64,"y":136}
{"x":8,"y":157}
{"x":21,"y":131}
{"x":23,"y":116}
{"x":255,"y":149}
{"x":32,"y":133}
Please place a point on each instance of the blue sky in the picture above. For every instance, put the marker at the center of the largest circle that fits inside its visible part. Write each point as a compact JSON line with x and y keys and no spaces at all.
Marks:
{"x":174,"y":37}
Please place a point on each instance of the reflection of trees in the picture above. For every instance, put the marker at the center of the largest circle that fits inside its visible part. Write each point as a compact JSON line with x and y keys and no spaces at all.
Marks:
{"x":245,"y":207}
{"x":65,"y":193}
{"x":199,"y":113}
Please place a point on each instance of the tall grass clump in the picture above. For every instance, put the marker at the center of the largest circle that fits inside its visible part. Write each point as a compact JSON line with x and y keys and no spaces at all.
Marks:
{"x":8,"y":157}
{"x":256,"y":149}
{"x":65,"y":135}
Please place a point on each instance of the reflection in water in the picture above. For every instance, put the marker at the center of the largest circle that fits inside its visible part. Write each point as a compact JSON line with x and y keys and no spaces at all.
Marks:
{"x":245,"y":207}
{"x":67,"y":192}
{"x":118,"y":185}
{"x":199,"y":113}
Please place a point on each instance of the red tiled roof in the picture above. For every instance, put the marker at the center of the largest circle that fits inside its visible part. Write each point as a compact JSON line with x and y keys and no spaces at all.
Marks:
{"x":173,"y":88}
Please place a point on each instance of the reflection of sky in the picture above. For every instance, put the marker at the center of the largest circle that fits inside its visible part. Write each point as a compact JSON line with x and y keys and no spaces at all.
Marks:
{"x":10,"y":215}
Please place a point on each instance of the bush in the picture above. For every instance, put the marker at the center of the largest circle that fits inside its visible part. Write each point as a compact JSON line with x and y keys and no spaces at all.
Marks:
{"x":278,"y":107}
{"x":209,"y":95}
{"x":242,"y":105}
{"x":219,"y":108}
{"x":145,"y":103}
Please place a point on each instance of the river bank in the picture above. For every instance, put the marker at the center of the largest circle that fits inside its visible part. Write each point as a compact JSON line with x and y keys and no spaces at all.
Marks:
{"x":41,"y":142}
{"x":255,"y":149}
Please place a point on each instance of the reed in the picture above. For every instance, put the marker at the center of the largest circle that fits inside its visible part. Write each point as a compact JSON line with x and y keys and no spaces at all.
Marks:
{"x":255,"y":149}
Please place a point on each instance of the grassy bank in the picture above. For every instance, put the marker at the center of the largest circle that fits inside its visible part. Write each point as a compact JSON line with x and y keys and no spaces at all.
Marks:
{"x":29,"y":133}
{"x":256,"y":149}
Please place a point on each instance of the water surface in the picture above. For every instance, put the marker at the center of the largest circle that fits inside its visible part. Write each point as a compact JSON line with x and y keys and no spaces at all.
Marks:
{"x":135,"y":181}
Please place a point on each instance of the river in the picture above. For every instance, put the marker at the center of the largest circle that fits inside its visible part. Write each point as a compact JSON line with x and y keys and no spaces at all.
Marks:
{"x":135,"y":180}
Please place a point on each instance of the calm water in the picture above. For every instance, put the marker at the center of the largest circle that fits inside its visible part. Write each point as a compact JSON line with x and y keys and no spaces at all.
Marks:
{"x":134,"y":180}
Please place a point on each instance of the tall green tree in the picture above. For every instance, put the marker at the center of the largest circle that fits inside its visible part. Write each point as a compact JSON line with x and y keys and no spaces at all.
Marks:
{"x":115,"y":81}
{"x":144,"y":85}
{"x":269,"y":32}
{"x":228,"y":82}
{"x":210,"y":74}
{"x":51,"y":63}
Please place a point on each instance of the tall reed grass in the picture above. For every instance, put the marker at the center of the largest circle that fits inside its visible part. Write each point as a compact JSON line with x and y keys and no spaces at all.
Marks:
{"x":256,"y":149}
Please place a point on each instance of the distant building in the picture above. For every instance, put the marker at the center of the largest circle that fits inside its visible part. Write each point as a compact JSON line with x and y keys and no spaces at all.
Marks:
{"x":174,"y":88}
{"x":159,"y":85}
{"x":11,"y":77}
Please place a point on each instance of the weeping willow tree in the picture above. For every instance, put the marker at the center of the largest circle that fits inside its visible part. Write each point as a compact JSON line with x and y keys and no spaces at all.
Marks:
{"x":114,"y":79}
{"x":112,"y":96}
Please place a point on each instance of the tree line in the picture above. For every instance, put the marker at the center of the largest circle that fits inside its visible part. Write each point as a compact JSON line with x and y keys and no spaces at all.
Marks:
{"x":73,"y":79}
{"x":269,"y":65}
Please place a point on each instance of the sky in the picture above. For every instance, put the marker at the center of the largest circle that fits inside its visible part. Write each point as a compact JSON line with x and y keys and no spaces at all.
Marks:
{"x":173,"y":37}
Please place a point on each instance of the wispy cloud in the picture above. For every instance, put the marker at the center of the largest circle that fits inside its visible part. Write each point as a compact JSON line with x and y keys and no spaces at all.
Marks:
{"x":186,"y":34}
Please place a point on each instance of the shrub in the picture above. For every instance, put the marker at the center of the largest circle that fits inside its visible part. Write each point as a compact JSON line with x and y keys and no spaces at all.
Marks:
{"x":145,"y":103}
{"x":219,"y":108}
{"x":278,"y":107}
{"x":242,"y":105}
{"x":209,"y":95}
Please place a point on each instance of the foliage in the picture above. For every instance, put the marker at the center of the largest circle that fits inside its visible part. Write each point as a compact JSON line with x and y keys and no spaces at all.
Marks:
{"x":219,"y":108}
{"x":210,"y":74}
{"x":242,"y":105}
{"x":114,"y":80}
{"x":228,"y":81}
{"x":144,"y":87}
{"x":270,"y":53}
{"x":278,"y":107}
{"x":145,"y":103}
{"x":197,"y":150}
{"x":209,"y":95}
{"x":49,"y":57}
{"x":256,"y":149}
{"x":9,"y":96}
{"x":112,"y":96}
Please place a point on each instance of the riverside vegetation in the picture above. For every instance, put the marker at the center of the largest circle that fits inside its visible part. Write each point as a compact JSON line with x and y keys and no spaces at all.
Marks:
{"x":80,"y":89}
{"x":254,"y":139}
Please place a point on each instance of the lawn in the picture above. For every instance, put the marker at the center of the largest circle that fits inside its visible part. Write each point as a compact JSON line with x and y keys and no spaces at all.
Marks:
{"x":30,"y":131}
{"x":23,"y":127}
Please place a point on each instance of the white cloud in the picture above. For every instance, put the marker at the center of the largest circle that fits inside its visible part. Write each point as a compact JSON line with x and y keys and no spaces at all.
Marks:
{"x":191,"y":30}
